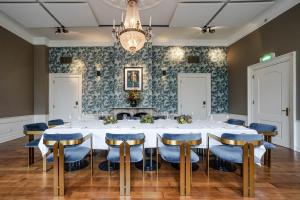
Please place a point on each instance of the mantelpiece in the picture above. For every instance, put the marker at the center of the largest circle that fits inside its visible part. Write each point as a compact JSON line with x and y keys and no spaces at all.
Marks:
{"x":133,"y":110}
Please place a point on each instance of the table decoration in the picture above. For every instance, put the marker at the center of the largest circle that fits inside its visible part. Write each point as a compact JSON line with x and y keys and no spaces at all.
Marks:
{"x":184,"y":119}
{"x":134,"y":98}
{"x":147,"y":119}
{"x":110,"y":119}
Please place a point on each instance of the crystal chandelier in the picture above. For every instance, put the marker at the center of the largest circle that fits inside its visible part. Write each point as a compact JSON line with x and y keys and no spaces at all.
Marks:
{"x":130,"y":33}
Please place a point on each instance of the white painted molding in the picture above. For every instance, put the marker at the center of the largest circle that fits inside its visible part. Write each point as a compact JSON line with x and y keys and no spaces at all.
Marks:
{"x":12,"y":127}
{"x":40,"y":41}
{"x":41,"y":118}
{"x":276,"y":10}
{"x":76,"y":43}
{"x":186,"y":42}
{"x":15,"y":28}
{"x":297,"y":137}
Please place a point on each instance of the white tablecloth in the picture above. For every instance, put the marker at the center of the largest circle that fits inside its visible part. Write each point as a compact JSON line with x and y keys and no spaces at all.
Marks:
{"x":98,"y":129}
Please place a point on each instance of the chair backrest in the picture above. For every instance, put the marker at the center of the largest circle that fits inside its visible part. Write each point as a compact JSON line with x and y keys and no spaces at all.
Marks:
{"x":140,"y":114}
{"x":263,"y":127}
{"x":55,"y":122}
{"x":236,"y":122}
{"x":35,"y":127}
{"x":240,"y":138}
{"x":65,"y":139}
{"x":132,"y":139}
{"x":177,"y":139}
{"x":120,"y":116}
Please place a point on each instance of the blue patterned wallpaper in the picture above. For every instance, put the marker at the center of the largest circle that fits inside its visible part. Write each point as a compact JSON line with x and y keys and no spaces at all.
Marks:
{"x":99,"y":95}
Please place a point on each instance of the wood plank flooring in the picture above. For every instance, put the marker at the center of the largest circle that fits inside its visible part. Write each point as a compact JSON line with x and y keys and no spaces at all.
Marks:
{"x":17,"y":181}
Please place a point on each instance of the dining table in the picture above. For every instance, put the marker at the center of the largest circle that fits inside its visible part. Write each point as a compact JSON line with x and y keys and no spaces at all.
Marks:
{"x":98,"y":130}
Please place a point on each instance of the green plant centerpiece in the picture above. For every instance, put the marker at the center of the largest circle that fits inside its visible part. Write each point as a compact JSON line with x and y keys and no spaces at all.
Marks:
{"x":110,"y":119}
{"x":147,"y":119}
{"x":134,"y":98}
{"x":184,"y":119}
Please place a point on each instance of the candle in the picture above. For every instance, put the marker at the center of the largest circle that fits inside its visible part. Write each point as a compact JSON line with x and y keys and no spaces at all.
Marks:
{"x":150,"y":21}
{"x":122,"y":16}
{"x":114,"y":24}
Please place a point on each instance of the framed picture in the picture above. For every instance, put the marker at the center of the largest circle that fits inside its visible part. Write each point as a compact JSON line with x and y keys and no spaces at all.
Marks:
{"x":133,"y":78}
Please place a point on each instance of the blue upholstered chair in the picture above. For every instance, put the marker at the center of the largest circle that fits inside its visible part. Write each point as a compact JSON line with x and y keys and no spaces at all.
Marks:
{"x":67,"y":149}
{"x":55,"y":122}
{"x":238,"y":148}
{"x":125,"y":149}
{"x":236,"y":122}
{"x":176,"y":148}
{"x":32,"y":131}
{"x":268,"y":131}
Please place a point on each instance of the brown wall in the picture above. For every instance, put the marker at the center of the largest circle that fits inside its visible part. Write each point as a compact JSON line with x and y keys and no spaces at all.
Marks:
{"x":16,"y":75}
{"x":281,"y":35}
{"x":41,"y":79}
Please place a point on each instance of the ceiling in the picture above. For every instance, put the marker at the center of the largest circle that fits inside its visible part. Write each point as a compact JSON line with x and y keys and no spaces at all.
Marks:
{"x":90,"y":20}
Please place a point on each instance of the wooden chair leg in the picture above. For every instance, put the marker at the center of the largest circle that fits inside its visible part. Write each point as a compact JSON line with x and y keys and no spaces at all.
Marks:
{"x":122,"y":168}
{"x":55,"y":169}
{"x":61,"y":170}
{"x":188,"y":170}
{"x":182,"y":169}
{"x":45,"y":163}
{"x":127,"y":169}
{"x":251,"y":171}
{"x":245,"y":171}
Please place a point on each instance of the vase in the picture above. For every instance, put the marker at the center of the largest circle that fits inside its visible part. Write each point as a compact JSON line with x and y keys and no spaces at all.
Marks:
{"x":133,"y":103}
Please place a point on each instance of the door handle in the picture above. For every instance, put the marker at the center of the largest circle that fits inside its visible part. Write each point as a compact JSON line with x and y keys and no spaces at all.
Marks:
{"x":286,"y":111}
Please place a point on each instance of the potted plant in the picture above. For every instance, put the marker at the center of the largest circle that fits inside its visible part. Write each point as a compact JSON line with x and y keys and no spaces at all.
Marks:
{"x":133,"y":98}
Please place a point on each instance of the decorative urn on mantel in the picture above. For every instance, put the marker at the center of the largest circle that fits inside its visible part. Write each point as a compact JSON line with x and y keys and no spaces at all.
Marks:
{"x":134,"y":98}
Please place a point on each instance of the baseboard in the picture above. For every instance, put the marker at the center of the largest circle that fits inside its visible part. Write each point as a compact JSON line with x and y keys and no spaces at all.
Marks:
{"x":12,"y":127}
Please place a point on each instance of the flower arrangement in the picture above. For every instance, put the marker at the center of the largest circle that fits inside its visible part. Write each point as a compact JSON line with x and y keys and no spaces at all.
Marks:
{"x":147,"y":119}
{"x":134,"y":97}
{"x":110,"y":119}
{"x":184,"y":119}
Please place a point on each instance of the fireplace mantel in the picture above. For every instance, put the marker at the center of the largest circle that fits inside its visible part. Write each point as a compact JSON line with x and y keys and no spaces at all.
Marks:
{"x":133,"y":110}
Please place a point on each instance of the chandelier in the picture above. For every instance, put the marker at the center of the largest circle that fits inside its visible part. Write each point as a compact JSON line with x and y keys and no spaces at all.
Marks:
{"x":130,"y":33}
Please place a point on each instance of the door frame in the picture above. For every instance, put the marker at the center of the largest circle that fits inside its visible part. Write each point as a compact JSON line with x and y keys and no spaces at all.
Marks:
{"x":52,"y":77}
{"x":195,"y":75}
{"x":292,"y":86}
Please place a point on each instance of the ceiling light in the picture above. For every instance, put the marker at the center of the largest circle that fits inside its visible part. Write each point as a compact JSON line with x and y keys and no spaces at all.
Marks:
{"x":60,"y":30}
{"x":130,"y":33}
{"x":209,"y":29}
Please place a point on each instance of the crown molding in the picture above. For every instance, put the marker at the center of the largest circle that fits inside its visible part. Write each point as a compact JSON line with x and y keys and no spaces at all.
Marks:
{"x":15,"y":28}
{"x":186,"y":42}
{"x":76,"y":43}
{"x":276,"y":10}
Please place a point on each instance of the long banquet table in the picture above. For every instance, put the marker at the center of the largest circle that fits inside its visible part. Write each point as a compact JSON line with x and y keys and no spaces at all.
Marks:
{"x":99,"y":130}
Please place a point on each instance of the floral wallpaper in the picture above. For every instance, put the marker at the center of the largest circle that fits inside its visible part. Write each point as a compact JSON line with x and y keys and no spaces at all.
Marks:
{"x":107,"y":91}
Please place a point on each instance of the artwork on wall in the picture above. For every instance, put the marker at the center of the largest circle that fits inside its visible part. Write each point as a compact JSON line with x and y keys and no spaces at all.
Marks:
{"x":133,"y":78}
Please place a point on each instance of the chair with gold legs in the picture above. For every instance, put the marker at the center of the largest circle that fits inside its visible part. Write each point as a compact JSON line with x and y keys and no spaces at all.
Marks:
{"x":32,"y":131}
{"x":176,"y":148}
{"x":55,"y":122}
{"x":67,"y":148}
{"x":268,"y":131}
{"x":238,"y":148}
{"x":125,"y":149}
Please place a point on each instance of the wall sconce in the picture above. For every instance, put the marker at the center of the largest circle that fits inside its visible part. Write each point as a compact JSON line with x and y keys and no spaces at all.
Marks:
{"x":164,"y":73}
{"x":176,"y":54}
{"x":98,"y":72}
{"x":217,"y":55}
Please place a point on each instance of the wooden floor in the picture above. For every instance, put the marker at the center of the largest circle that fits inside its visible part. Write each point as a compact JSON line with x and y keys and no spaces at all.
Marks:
{"x":17,"y":181}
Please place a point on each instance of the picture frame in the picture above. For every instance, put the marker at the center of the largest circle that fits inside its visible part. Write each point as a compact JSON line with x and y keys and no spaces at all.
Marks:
{"x":133,"y":78}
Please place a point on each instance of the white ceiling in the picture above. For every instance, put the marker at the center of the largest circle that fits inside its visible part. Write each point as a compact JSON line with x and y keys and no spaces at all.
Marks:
{"x":181,"y":18}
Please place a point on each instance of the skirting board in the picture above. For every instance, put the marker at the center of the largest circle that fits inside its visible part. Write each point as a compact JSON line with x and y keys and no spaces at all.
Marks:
{"x":297,"y":137}
{"x":12,"y":127}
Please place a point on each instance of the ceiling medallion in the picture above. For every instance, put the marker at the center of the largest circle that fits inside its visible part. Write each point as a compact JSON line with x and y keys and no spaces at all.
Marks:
{"x":130,"y":33}
{"x":142,"y":5}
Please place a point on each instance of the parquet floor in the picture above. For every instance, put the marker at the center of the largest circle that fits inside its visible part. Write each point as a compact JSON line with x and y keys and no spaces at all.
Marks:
{"x":17,"y":181}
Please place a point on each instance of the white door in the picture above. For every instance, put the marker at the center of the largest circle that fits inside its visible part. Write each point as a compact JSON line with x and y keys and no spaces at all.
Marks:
{"x":271,"y":99}
{"x":194,"y":95}
{"x":65,"y":96}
